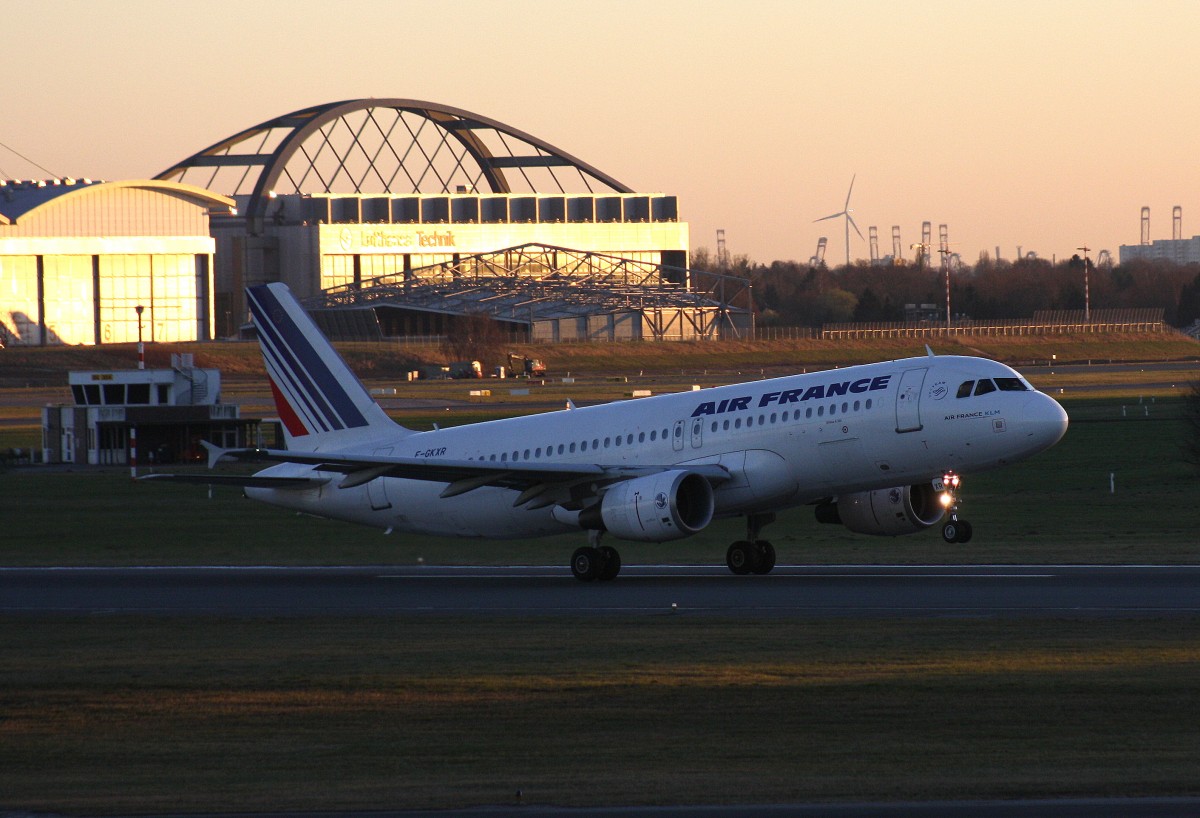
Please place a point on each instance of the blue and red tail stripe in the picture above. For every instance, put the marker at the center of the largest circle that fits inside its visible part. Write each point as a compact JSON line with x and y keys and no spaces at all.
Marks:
{"x":314,"y":390}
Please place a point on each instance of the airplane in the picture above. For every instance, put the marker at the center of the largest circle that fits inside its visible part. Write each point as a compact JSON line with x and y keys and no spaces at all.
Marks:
{"x":878,"y":448}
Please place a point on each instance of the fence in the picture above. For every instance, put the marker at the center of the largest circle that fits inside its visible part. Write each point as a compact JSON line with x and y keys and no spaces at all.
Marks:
{"x":1015,"y":326}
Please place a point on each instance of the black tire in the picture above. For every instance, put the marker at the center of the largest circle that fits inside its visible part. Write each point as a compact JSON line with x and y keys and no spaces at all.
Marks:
{"x":950,"y":531}
{"x":964,"y":532}
{"x":586,"y":563}
{"x":610,"y":560}
{"x":742,"y":557}
{"x":766,"y":557}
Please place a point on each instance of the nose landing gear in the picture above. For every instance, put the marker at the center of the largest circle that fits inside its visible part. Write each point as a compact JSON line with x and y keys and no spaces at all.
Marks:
{"x":954,"y":530}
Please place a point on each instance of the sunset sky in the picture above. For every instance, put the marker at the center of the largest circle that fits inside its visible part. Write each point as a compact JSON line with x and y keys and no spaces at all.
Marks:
{"x":1041,"y":124}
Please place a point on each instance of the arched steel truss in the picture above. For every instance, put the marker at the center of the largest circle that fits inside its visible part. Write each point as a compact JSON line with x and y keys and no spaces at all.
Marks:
{"x":394,"y":146}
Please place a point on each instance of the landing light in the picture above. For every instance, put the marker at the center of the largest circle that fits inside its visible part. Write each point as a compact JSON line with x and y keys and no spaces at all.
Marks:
{"x":946,"y":499}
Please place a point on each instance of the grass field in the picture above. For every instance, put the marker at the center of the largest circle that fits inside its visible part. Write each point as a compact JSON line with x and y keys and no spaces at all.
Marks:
{"x":121,"y":715}
{"x":133,"y":715}
{"x":1057,"y":507}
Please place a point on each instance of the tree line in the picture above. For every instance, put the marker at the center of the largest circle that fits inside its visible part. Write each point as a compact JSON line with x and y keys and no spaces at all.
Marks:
{"x":791,"y":293}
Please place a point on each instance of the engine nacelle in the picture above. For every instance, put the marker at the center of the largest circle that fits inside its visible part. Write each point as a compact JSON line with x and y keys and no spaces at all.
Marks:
{"x":664,"y":506}
{"x":887,"y":512}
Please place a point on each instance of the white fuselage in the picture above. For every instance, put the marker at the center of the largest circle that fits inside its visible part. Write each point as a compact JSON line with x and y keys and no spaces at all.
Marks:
{"x":785,"y":441}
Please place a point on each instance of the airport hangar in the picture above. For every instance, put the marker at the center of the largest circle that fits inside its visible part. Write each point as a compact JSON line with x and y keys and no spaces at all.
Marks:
{"x":392,"y":216}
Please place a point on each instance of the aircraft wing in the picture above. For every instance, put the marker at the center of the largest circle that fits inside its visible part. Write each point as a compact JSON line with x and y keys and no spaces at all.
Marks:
{"x":532,"y":479}
{"x":244,"y":481}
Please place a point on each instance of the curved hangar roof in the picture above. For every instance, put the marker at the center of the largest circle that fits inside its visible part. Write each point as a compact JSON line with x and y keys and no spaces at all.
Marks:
{"x":396,"y":146}
{"x":21,"y":199}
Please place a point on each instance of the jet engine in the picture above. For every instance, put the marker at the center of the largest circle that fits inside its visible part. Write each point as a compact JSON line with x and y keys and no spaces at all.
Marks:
{"x":887,"y":512}
{"x":660,"y":507}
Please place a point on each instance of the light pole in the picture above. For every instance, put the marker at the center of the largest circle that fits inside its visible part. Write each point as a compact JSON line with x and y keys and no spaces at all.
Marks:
{"x":141,"y":348}
{"x":1087,"y":300}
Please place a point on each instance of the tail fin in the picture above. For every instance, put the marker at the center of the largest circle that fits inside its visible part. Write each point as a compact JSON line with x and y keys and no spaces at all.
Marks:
{"x":316,"y":394}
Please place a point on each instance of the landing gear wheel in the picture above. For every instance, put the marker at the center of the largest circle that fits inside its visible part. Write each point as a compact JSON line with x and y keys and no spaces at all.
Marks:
{"x":766,"y":557}
{"x":956,"y":531}
{"x":742,"y":557}
{"x":610,"y":563}
{"x":586,"y":563}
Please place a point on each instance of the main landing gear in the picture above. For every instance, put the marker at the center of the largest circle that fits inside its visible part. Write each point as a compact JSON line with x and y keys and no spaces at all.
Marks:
{"x":954,"y":530}
{"x":752,"y":555}
{"x":594,"y":561}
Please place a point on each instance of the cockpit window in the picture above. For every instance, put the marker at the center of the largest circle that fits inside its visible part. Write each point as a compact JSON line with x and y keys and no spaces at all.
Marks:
{"x":984,"y":386}
{"x":964,"y":391}
{"x":1011,"y":385}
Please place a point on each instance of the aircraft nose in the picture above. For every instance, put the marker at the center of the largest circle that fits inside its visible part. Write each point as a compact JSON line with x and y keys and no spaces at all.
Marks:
{"x":1044,"y":421}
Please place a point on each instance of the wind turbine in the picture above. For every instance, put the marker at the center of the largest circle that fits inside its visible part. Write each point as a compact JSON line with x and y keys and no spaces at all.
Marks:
{"x":845,"y":211}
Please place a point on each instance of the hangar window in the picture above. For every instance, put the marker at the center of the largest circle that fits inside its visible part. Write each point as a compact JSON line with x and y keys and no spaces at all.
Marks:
{"x":92,"y":392}
{"x":964,"y":391}
{"x":77,"y":391}
{"x":984,"y":386}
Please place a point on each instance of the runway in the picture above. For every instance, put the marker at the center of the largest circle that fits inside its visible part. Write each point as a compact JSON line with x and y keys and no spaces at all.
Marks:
{"x":1003,"y":591}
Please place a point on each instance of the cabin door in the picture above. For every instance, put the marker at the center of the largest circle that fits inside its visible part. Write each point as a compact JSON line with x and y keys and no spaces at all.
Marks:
{"x":908,"y":400}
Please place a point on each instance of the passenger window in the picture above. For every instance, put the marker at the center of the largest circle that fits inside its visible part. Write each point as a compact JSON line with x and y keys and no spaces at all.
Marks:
{"x":725,"y":425}
{"x":560,"y":448}
{"x":845,"y":408}
{"x":583,"y":446}
{"x":714,"y":426}
{"x":856,"y":405}
{"x":772,"y":417}
{"x":820,"y":411}
{"x":572,"y":448}
{"x":964,"y":391}
{"x":737,"y":424}
{"x":653,"y":436}
{"x":525,"y":456}
{"x":607,"y":442}
{"x":984,"y":386}
{"x":641,"y":437}
{"x":808,"y":412}
{"x":749,"y":421}
{"x":868,"y":405}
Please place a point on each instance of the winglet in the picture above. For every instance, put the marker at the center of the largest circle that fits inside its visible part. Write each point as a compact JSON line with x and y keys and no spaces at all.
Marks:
{"x":929,"y":351}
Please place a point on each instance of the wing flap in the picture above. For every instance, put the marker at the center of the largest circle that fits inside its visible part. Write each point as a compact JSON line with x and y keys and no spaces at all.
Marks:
{"x":243,"y":481}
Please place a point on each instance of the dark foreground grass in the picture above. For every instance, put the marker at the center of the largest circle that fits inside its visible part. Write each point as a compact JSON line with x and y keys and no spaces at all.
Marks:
{"x":127,"y":715}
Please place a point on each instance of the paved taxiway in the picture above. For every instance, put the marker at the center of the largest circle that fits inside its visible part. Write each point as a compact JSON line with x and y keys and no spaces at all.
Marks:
{"x":790,"y":591}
